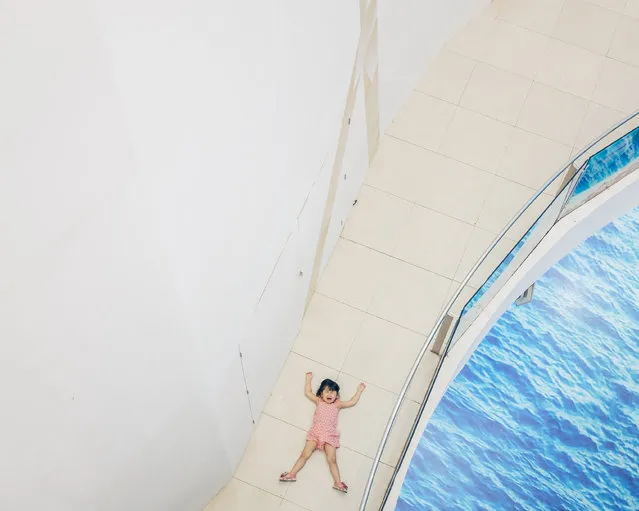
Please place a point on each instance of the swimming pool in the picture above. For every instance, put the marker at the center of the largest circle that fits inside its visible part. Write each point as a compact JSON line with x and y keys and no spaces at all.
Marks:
{"x":545,"y":415}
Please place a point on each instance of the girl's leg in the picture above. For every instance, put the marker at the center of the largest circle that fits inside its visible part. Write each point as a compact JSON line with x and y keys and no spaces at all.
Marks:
{"x":331,"y":457}
{"x":306,"y":454}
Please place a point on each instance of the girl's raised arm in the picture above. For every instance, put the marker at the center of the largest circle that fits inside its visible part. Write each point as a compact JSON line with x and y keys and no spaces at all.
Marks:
{"x":353,"y":401}
{"x":308,"y":391}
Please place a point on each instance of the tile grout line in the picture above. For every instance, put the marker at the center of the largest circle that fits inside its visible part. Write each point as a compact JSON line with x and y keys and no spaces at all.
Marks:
{"x":474,"y":167}
{"x":614,"y":32}
{"x":294,"y":503}
{"x":470,"y":76}
{"x":550,"y":35}
{"x":621,"y":15}
{"x":429,"y":208}
{"x":366,"y":310}
{"x":457,"y":106}
{"x":435,"y":151}
{"x":450,"y":279}
{"x":303,"y":430}
{"x":350,"y":347}
{"x":511,"y":126}
{"x":445,"y":214}
{"x":254,"y":486}
{"x":313,"y":360}
{"x":604,"y":56}
{"x":370,"y":314}
{"x":394,"y":393}
{"x":339,"y":371}
{"x":376,"y":250}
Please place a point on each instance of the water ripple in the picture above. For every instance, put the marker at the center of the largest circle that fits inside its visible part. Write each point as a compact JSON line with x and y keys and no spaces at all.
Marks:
{"x":545,"y":416}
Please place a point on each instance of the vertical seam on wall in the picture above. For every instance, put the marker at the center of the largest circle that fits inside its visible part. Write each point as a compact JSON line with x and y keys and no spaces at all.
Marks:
{"x":332,"y":190}
{"x":372,"y":138}
{"x":248,"y":396}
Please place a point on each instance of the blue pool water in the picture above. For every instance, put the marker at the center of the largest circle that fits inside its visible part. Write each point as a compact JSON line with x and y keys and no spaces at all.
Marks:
{"x":545,"y":416}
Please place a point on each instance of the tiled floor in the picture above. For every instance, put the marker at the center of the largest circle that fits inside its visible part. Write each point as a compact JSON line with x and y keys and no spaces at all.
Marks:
{"x":510,"y":98}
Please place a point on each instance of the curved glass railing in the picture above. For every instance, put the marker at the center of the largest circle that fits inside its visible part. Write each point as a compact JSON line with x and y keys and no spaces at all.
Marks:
{"x":605,"y":167}
{"x":604,"y":161}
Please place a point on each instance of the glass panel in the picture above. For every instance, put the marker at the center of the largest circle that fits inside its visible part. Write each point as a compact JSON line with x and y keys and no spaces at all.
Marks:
{"x":511,"y":262}
{"x":609,"y":161}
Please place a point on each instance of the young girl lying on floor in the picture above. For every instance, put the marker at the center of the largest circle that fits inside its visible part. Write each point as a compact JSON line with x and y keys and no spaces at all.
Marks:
{"x":323,"y":434}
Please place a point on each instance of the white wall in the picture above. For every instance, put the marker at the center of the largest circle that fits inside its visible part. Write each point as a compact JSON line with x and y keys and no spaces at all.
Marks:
{"x":163,"y":173}
{"x":155,"y":159}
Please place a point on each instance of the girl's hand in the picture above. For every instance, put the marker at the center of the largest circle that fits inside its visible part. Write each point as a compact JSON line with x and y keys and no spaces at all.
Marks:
{"x":361,"y":387}
{"x":309,"y":375}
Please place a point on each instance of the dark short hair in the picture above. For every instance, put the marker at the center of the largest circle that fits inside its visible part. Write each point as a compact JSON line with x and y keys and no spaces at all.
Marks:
{"x":327,"y":384}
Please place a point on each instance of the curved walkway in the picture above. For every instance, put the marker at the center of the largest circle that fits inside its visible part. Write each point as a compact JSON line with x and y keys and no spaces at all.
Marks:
{"x":502,"y":108}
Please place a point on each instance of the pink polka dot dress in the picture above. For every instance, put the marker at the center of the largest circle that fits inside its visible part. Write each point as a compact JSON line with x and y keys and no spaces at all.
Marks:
{"x":324,"y":428}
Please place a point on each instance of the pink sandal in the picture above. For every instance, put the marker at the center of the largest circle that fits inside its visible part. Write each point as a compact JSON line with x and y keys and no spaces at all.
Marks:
{"x":286,"y":477}
{"x":341,"y":487}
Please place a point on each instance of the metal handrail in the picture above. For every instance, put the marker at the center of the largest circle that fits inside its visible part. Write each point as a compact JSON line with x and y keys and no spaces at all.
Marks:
{"x":402,"y":394}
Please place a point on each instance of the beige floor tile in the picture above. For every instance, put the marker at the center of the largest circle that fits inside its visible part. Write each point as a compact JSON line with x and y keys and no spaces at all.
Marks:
{"x":472,"y":39}
{"x":287,"y":401}
{"x":409,"y":296}
{"x":598,"y":119}
{"x":362,"y":426}
{"x":350,"y":276}
{"x":617,"y":86}
{"x":504,"y":200}
{"x":496,"y":93}
{"x":531,"y":159}
{"x":289,"y":506}
{"x":587,"y":25}
{"x":538,"y":15}
{"x":613,"y":5}
{"x":313,"y":489}
{"x":422,"y":120}
{"x":239,"y":496}
{"x":584,"y":67}
{"x":377,"y":219}
{"x":432,"y":241}
{"x":632,"y":8}
{"x":273,"y":448}
{"x":476,"y":140}
{"x":447,"y":77}
{"x":625,"y":45}
{"x":399,"y":168}
{"x":514,"y":49}
{"x":553,"y":114}
{"x":423,"y":376}
{"x":405,"y":418}
{"x":372,"y":360}
{"x":480,"y":240}
{"x":453,"y":188}
{"x":328,"y":330}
